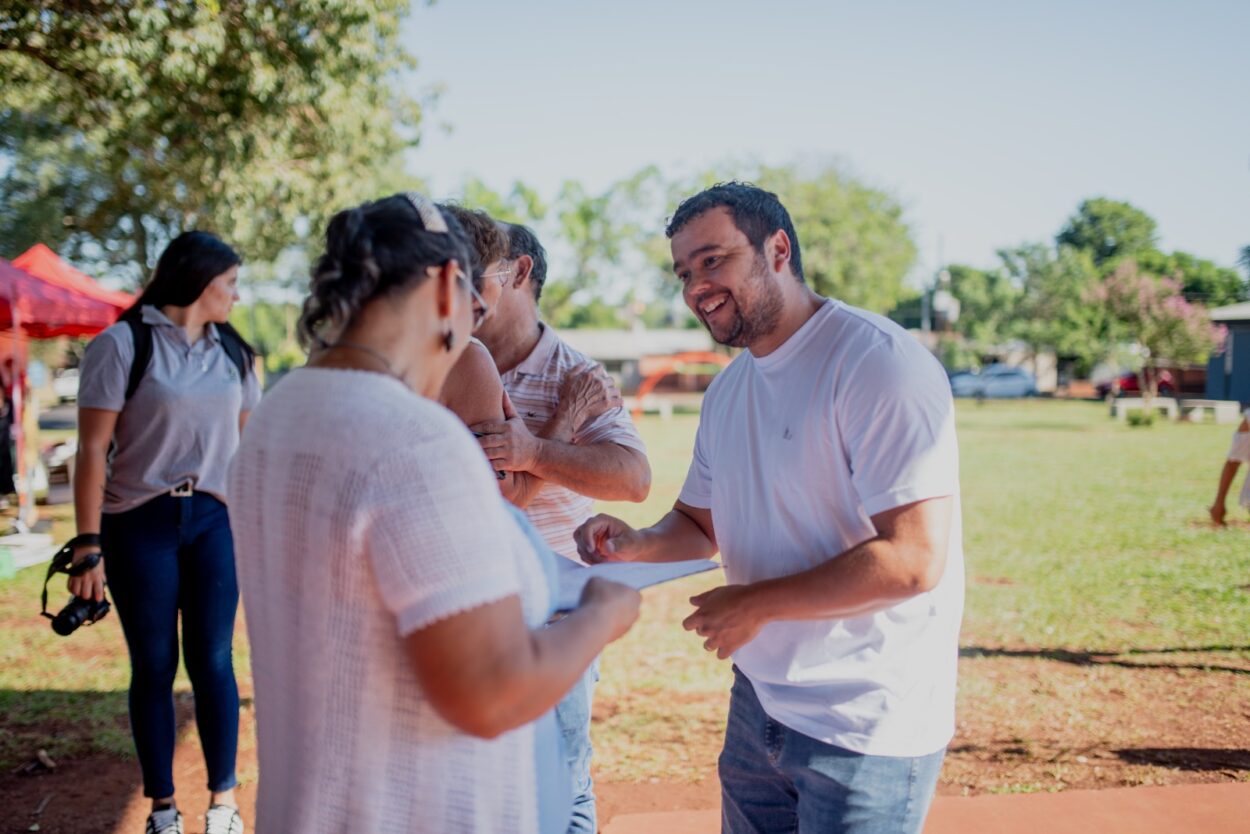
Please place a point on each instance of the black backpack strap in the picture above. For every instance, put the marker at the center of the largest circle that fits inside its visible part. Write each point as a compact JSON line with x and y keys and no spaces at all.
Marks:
{"x":234,"y":349}
{"x":142,"y":333}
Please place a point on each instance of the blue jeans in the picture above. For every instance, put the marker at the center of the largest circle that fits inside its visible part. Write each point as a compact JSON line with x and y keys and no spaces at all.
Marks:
{"x":775,"y":780}
{"x":165,"y":556}
{"x":573,"y":716}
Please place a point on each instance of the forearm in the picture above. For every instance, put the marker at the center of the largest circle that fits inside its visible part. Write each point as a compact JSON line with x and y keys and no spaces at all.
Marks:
{"x":868,"y":578}
{"x":529,"y":683}
{"x":519,"y":488}
{"x":1227,"y":474}
{"x":604,"y":471}
{"x":89,"y":478}
{"x":674,"y":538}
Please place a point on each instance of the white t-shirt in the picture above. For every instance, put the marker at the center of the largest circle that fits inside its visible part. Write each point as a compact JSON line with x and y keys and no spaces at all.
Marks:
{"x":795,"y":451}
{"x":362,"y":513}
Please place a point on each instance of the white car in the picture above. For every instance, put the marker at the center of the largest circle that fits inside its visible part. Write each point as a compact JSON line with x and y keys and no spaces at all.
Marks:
{"x":995,"y":382}
{"x":65,"y":385}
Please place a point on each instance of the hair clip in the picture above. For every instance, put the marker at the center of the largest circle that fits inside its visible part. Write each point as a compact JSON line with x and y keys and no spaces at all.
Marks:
{"x":431,"y":218}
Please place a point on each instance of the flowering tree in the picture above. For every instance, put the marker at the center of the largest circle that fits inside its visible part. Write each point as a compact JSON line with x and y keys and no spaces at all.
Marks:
{"x":1151,"y":311}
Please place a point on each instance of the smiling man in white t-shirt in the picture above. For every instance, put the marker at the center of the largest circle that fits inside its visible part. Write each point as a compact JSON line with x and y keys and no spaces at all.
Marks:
{"x":826,"y":472}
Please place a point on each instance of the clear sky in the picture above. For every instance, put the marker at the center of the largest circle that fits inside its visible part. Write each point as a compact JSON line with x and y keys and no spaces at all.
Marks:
{"x":990,"y":121}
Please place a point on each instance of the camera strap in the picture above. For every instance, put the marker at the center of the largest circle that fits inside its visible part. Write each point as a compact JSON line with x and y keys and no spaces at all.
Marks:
{"x":63,"y":562}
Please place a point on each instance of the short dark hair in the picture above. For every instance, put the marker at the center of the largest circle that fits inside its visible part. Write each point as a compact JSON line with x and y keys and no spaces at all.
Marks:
{"x":757,"y":213}
{"x":523,"y":241}
{"x":489,"y":242}
{"x":372,"y":250}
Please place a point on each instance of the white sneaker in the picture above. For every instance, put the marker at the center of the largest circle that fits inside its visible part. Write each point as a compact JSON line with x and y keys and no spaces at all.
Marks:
{"x":164,"y":821}
{"x":222,"y":819}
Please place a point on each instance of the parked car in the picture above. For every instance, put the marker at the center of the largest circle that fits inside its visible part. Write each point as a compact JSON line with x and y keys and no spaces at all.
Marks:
{"x":965,"y":384}
{"x":1129,"y":384}
{"x":995,"y":381}
{"x":65,"y":385}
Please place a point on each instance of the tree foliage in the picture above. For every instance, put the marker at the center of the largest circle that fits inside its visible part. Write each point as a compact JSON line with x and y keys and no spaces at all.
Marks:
{"x":1201,"y":280}
{"x":128,"y":121}
{"x":1053,"y":312}
{"x":1108,"y":229}
{"x":1152,"y":312}
{"x":855,"y":243}
{"x":987,"y":304}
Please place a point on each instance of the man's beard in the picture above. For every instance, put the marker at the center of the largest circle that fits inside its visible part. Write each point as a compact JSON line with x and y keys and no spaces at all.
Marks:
{"x":760,"y":319}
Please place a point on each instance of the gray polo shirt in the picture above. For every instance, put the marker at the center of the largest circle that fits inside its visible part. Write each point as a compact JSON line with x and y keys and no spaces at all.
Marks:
{"x":181,"y":424}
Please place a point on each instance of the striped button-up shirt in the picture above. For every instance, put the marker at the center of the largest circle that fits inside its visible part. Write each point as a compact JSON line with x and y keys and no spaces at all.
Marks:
{"x":534,"y":388}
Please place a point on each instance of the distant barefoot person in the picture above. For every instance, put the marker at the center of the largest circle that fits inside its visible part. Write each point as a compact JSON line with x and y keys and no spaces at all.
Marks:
{"x":1237,"y":455}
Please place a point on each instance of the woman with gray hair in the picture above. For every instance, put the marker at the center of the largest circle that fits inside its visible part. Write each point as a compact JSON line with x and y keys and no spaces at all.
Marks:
{"x":395,"y":611}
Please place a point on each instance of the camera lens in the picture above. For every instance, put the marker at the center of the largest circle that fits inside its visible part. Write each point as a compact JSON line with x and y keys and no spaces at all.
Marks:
{"x":73,"y":615}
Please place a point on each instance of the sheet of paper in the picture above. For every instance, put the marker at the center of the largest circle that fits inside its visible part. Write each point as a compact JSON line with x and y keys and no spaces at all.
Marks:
{"x":637,"y":575}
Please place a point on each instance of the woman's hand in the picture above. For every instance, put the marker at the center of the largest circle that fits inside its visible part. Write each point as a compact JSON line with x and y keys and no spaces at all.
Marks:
{"x":89,"y":585}
{"x":618,"y":603}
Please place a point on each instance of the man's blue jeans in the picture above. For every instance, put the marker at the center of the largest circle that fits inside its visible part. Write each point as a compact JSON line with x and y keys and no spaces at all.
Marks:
{"x":163,"y":557}
{"x":573,"y":716}
{"x":775,"y":780}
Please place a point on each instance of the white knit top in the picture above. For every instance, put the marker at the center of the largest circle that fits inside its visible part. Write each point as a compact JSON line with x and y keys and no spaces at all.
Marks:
{"x":362,"y":513}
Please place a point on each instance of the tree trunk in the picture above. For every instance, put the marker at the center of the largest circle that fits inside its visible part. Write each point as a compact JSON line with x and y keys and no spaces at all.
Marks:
{"x":1149,"y":388}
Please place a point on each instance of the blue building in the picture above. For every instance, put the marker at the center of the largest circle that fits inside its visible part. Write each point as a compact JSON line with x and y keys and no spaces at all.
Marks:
{"x":1228,"y":373}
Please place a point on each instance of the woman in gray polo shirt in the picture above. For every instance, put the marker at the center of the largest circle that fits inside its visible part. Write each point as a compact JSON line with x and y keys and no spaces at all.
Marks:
{"x":151,"y":483}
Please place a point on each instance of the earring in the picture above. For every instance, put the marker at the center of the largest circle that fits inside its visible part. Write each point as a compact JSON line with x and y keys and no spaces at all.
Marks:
{"x":449,"y":338}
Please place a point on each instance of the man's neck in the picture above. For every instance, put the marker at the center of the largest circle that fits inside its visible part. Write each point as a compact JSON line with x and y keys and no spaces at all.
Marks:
{"x":513,"y":345}
{"x":800,"y":305}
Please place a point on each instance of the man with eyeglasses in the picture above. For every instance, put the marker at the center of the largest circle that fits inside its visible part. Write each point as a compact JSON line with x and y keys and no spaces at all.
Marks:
{"x":826,"y":473}
{"x":549,"y":384}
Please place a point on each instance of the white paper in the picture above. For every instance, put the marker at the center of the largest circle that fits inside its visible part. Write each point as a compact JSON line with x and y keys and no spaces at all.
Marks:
{"x":637,"y":575}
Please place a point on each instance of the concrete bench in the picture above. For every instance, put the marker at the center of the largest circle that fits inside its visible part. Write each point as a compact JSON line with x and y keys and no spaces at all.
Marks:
{"x":1121,"y":406}
{"x":1223,"y":411}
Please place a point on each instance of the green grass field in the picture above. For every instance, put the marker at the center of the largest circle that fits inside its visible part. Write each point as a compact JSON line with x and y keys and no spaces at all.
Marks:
{"x":1081,"y":535}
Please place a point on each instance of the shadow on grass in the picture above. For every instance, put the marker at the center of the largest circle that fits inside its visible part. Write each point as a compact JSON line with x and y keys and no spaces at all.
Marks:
{"x":87,"y":735}
{"x":1122,"y":659}
{"x":1187,"y":758}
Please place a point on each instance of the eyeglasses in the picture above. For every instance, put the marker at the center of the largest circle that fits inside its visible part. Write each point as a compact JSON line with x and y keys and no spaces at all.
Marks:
{"x":501,"y":275}
{"x":480,"y":310}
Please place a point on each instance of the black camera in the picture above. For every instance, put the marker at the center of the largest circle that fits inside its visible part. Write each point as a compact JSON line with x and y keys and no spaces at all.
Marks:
{"x":79,"y":610}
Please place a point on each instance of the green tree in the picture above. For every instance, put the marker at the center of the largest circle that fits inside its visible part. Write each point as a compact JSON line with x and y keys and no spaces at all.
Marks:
{"x":1152,"y":312}
{"x":1053,"y":311}
{"x":606,"y":234}
{"x":987,"y":304}
{"x":127,"y":122}
{"x":1108,"y":229}
{"x":1201,"y":280}
{"x":855,"y":243}
{"x":521,"y":204}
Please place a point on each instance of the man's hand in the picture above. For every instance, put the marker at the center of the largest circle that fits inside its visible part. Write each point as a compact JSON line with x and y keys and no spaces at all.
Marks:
{"x":726,"y":617}
{"x":604,"y":538}
{"x":508,"y":444}
{"x":587,"y":392}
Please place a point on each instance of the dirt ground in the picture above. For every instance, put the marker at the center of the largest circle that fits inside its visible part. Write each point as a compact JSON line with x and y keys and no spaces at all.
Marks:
{"x":1029,"y":720}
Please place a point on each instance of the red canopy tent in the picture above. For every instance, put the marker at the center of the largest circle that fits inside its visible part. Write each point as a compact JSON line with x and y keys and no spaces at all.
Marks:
{"x":42,"y":262}
{"x":59,"y":301}
{"x":38,"y":309}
